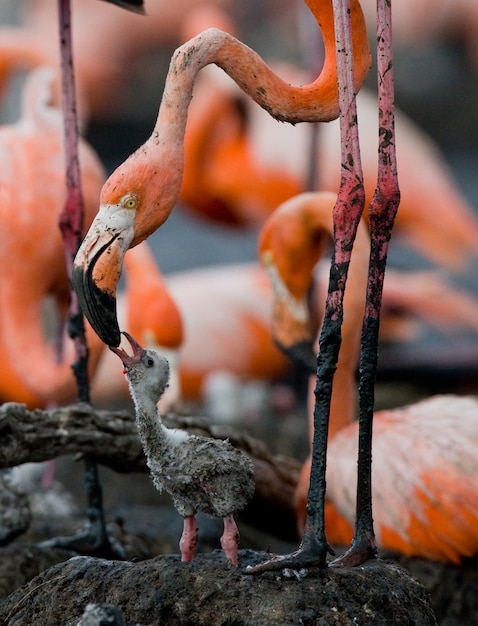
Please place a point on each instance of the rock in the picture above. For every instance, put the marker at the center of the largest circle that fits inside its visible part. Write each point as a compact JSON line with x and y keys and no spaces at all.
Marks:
{"x":210,"y":592}
{"x":15,"y":514}
{"x":101,"y":615}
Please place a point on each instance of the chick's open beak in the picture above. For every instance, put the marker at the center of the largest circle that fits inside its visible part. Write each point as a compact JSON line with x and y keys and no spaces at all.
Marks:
{"x":128,"y":360}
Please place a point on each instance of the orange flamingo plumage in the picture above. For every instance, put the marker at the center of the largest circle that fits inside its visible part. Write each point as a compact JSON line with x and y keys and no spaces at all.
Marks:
{"x":424,"y":472}
{"x":197,"y":319}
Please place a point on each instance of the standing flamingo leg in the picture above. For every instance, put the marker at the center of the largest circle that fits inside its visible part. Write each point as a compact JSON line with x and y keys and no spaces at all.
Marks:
{"x":382,"y":211}
{"x":94,"y":539}
{"x":347,"y":213}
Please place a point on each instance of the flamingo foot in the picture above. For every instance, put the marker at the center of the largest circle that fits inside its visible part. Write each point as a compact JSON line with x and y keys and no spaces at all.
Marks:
{"x":360,"y":551}
{"x":230,"y":539}
{"x":92,"y":541}
{"x":189,"y":539}
{"x":311,"y":553}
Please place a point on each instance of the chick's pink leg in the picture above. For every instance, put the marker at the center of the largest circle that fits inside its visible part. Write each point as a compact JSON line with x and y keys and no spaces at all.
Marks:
{"x":230,"y":539}
{"x":189,"y":539}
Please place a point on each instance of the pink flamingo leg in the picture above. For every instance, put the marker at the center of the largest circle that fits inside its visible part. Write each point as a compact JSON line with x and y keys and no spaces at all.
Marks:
{"x":382,"y":211}
{"x":347,"y":213}
{"x":94,"y":540}
{"x":230,"y":539}
{"x":189,"y":539}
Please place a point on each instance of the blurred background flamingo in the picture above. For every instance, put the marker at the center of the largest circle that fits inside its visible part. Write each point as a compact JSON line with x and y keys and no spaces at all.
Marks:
{"x":32,"y":255}
{"x":434,"y":217}
{"x":424,"y":470}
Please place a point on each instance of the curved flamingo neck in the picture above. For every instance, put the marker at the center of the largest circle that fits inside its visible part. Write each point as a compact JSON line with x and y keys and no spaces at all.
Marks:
{"x":315,"y":102}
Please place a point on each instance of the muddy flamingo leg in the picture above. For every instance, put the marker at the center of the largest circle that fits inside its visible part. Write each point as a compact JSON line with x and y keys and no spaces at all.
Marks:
{"x":94,"y":539}
{"x":382,"y":211}
{"x":347,"y":213}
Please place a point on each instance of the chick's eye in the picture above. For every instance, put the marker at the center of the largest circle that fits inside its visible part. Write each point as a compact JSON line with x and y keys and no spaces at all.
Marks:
{"x":149,"y":362}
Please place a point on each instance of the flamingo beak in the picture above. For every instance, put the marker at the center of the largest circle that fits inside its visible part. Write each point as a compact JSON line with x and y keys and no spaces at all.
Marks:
{"x":128,"y":360}
{"x":97,"y":270}
{"x":135,"y":6}
{"x":302,"y":354}
{"x":291,"y":321}
{"x":292,"y":333}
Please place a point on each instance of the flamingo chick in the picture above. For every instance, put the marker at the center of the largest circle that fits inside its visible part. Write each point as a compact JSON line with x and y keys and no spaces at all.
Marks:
{"x":201,"y":474}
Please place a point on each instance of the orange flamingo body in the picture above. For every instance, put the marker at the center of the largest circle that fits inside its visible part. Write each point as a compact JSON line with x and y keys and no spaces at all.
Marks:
{"x":226,"y":314}
{"x":424,"y":466}
{"x":199,"y":318}
{"x":223,"y":179}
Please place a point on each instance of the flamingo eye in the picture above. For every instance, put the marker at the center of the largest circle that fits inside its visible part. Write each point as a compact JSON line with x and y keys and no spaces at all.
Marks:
{"x":267,"y":258}
{"x":149,"y":362}
{"x":130,"y":202}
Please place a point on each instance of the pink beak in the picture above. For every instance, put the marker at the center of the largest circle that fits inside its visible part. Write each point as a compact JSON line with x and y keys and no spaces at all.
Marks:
{"x":128,"y":360}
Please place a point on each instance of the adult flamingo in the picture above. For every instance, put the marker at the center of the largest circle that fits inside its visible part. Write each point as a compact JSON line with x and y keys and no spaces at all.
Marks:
{"x":132,"y":208}
{"x":425,"y":468}
{"x":141,"y":193}
{"x":198,"y":318}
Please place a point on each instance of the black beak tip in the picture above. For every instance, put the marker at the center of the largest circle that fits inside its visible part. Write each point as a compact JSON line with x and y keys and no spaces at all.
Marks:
{"x":99,"y":307}
{"x":302,"y":354}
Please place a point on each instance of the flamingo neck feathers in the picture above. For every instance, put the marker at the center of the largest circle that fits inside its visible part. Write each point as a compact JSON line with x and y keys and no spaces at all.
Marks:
{"x":316,"y":102}
{"x":313,"y":103}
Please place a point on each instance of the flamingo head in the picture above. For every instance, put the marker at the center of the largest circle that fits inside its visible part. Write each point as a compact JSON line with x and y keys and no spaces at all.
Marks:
{"x":291,"y":323}
{"x":135,"y":200}
{"x":290,"y":244}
